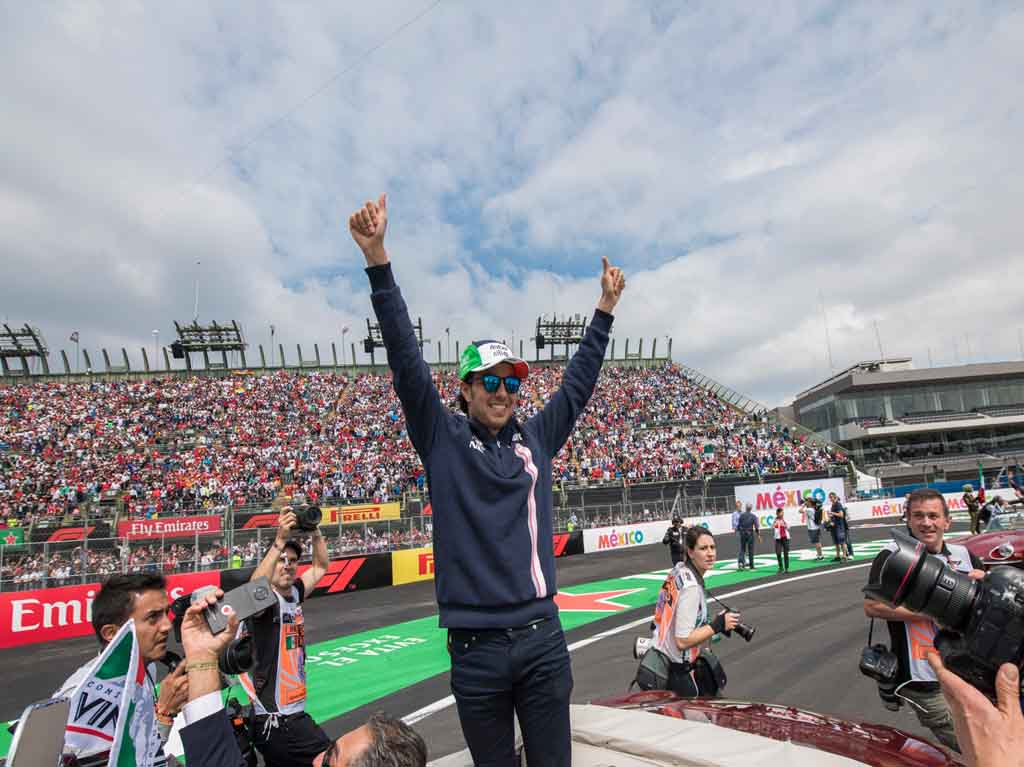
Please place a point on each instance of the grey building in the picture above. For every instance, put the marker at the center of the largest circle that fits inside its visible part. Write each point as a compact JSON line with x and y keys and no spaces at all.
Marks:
{"x":887,"y":414}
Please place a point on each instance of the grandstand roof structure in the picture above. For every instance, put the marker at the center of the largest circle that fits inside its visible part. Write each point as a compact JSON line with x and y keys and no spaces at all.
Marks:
{"x":900,"y":372}
{"x":899,"y":419}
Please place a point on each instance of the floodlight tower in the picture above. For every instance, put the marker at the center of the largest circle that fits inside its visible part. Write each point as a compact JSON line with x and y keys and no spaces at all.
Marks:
{"x":204,"y":339}
{"x":564,"y":331}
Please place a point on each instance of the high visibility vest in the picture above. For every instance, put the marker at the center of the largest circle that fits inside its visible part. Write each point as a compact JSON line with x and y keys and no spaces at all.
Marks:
{"x":287,"y":671}
{"x":680,"y":579}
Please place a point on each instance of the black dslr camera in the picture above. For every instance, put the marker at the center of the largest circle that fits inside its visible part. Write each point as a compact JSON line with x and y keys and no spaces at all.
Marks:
{"x":307,"y":517}
{"x":982,"y":621}
{"x":744,"y":630}
{"x":880,"y":663}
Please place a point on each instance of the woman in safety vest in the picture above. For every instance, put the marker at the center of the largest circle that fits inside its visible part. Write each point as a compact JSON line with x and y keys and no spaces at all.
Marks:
{"x":681,"y":624}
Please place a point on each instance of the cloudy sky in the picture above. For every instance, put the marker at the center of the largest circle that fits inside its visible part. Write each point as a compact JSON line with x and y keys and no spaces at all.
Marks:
{"x":747,"y":164}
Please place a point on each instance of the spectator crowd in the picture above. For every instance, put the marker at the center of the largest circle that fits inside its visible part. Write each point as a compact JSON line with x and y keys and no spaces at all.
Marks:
{"x":173,"y":445}
{"x":164,"y":447}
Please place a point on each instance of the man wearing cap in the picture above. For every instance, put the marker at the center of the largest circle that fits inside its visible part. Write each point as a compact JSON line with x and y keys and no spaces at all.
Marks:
{"x":674,"y":540}
{"x":490,"y":486}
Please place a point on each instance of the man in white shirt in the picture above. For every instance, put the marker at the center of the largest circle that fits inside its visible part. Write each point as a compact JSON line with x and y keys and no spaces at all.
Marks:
{"x":913,"y":634}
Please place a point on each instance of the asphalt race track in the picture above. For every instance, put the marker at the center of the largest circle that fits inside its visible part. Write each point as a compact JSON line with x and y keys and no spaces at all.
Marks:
{"x":810,"y":631}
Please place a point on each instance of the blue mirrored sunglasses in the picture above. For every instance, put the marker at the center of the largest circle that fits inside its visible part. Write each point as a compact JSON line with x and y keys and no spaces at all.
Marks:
{"x":491,"y":383}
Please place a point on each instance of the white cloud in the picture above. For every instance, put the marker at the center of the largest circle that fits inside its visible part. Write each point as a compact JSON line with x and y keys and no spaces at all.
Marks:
{"x":737,"y":161}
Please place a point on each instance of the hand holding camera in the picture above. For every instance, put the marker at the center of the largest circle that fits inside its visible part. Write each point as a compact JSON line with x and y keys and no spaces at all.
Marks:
{"x":728,"y":621}
{"x":304,"y":517}
{"x":725,"y":622}
{"x":989,"y":735}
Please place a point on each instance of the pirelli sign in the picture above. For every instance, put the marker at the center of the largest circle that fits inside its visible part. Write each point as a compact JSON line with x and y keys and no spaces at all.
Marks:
{"x":357,"y":515}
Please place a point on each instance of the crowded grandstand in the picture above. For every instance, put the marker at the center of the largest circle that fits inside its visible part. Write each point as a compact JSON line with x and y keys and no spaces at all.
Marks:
{"x":142,"y":449}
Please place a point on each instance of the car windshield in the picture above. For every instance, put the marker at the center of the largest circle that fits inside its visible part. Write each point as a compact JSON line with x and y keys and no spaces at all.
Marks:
{"x":1008,"y":520}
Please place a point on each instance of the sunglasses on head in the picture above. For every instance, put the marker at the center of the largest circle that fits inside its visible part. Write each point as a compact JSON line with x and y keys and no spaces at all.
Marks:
{"x":491,"y":382}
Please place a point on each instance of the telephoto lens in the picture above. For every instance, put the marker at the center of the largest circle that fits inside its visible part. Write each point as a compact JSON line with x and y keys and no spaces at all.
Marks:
{"x":908,"y":576}
{"x":745,"y":631}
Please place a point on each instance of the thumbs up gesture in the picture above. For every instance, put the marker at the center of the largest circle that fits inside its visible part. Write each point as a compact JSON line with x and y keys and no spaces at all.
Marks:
{"x":613,"y":282}
{"x":367,"y":227}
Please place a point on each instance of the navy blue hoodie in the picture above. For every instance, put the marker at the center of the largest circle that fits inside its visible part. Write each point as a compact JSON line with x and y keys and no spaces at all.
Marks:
{"x":494,"y":565}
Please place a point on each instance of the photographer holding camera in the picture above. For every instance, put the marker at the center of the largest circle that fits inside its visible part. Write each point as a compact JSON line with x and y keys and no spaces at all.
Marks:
{"x":913,"y":634}
{"x":673,"y":538}
{"x":208,"y":738}
{"x":280,"y":728}
{"x":141,"y":597}
{"x":681,"y":626}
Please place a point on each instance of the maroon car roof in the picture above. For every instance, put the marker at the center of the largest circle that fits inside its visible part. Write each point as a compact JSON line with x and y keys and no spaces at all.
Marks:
{"x":873,"y":744}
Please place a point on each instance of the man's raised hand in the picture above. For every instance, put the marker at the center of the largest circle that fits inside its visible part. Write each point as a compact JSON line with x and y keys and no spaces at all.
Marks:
{"x":613,"y":282}
{"x":989,"y":736}
{"x":367,"y":226}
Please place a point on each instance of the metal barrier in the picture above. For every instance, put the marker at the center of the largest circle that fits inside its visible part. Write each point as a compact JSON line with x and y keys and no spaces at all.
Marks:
{"x":46,"y":564}
{"x":85,"y":558}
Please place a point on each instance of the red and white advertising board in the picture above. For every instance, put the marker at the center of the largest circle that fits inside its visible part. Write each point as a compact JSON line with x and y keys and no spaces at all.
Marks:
{"x":43,"y":615}
{"x":174,"y":527}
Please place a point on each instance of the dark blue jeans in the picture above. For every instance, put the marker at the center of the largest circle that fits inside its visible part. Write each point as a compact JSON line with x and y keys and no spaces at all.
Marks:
{"x":747,"y":547}
{"x":499,"y":674}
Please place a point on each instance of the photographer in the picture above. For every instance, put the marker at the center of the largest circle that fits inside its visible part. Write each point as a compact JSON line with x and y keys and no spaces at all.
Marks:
{"x":674,"y":540}
{"x":207,"y":735}
{"x":912,"y":635}
{"x":681,"y":622}
{"x":281,"y":730}
{"x":141,"y":597}
{"x":837,"y":526}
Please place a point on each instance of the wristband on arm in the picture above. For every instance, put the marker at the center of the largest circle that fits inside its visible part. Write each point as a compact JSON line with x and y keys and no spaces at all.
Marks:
{"x":718,"y":623}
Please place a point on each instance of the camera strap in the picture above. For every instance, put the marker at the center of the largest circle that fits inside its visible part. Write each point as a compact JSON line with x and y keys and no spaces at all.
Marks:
{"x":871,"y":628}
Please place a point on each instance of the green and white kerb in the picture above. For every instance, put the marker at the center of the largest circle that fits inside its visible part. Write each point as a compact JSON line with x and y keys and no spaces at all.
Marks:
{"x":483,"y":355}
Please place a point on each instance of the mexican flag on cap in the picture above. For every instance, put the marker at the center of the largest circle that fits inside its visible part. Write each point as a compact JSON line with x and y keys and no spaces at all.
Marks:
{"x":483,"y":355}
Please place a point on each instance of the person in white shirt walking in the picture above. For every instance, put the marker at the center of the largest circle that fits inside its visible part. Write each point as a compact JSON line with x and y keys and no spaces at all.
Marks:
{"x":781,"y":529}
{"x":813,"y":515}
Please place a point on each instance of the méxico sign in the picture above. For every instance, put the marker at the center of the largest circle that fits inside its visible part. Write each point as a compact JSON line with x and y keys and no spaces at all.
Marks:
{"x":787,"y":495}
{"x":622,"y":536}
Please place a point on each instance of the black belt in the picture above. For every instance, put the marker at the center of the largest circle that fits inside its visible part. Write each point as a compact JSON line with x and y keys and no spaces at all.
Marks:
{"x":512,"y":632}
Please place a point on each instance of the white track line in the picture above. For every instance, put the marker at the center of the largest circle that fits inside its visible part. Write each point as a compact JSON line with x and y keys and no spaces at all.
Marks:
{"x":440,"y":705}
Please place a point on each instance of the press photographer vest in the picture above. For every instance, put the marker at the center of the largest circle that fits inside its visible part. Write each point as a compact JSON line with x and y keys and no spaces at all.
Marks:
{"x":912,"y":640}
{"x":679,"y":580}
{"x":277,"y":684}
